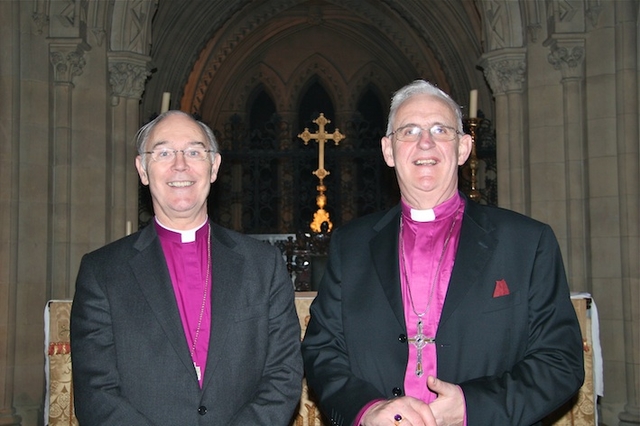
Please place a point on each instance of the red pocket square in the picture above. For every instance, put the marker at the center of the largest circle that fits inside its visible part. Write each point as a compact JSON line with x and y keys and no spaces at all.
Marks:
{"x":501,"y":289}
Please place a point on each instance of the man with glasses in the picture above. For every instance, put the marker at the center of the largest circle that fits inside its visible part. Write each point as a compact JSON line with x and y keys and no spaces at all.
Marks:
{"x":440,"y":311}
{"x":184,"y":322}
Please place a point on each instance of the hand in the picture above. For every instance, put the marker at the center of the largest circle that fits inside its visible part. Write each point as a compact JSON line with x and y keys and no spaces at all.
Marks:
{"x":413,"y":412}
{"x":448,"y":408}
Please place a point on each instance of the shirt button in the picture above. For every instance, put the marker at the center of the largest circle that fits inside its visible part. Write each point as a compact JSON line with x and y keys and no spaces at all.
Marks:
{"x":397,"y":392}
{"x":402,"y":338}
{"x":202,"y":410}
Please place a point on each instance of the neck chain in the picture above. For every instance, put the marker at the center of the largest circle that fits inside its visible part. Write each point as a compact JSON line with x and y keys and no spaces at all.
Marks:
{"x":420,"y":340}
{"x":204,"y":303}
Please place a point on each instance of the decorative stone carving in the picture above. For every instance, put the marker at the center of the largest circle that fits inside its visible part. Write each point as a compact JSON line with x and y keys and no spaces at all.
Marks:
{"x":568,"y":58}
{"x":127,"y":79}
{"x":505,"y":70}
{"x":67,"y":60}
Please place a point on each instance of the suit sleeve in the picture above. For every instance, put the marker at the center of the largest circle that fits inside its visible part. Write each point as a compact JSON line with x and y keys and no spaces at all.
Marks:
{"x":278,"y":392}
{"x":95,"y":374}
{"x":551,"y":368}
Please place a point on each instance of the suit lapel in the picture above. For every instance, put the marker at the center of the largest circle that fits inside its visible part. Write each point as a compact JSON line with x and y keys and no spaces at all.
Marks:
{"x":384,"y":246}
{"x":152,"y":276}
{"x":476,"y":246}
{"x":227,"y":278}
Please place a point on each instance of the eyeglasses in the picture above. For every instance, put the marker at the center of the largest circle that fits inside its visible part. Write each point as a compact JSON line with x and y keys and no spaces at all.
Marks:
{"x":413,"y":132}
{"x":165,"y":155}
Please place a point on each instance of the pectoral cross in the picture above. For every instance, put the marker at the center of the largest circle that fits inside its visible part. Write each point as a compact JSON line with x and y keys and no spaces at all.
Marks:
{"x":198,"y":371}
{"x":321,"y":136}
{"x":420,"y":341}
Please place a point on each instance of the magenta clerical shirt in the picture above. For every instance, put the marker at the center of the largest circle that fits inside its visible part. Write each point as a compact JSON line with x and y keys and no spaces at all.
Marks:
{"x":425,"y":270}
{"x":188,"y":258}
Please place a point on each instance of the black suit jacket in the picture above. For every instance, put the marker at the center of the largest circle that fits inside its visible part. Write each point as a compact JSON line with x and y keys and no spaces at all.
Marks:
{"x":131,"y":363}
{"x":516,"y":357}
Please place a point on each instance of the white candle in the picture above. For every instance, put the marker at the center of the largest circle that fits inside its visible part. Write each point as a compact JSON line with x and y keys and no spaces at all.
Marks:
{"x":473,"y":104}
{"x":128,"y":230}
{"x":166,"y":97}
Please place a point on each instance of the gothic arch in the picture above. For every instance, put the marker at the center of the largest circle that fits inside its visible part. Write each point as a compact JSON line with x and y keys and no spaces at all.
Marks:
{"x":371,"y":74}
{"x":234,"y":102}
{"x":328,"y":75}
{"x":502,"y":24}
{"x":408,"y":44}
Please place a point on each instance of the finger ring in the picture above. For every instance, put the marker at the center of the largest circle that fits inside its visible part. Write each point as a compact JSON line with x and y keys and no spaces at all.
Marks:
{"x":397,"y":419}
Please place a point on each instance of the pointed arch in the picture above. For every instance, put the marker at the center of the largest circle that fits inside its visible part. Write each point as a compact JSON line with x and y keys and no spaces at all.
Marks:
{"x":327,"y":74}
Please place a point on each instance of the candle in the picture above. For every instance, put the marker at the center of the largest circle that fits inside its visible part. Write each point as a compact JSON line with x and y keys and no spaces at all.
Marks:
{"x":473,"y":104}
{"x":166,"y":96}
{"x":128,"y":230}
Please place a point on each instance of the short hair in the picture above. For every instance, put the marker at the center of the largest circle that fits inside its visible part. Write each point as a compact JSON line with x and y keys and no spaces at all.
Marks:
{"x":142,"y":136}
{"x":421,"y":87}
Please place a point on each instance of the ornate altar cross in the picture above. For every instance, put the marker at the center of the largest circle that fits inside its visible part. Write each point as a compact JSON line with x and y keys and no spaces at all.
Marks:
{"x":321,"y":136}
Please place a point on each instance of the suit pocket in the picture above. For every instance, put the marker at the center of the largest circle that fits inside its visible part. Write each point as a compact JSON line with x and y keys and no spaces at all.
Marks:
{"x":502,"y":302}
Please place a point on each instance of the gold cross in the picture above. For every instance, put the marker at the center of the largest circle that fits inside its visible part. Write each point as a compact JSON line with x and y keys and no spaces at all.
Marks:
{"x":321,"y":136}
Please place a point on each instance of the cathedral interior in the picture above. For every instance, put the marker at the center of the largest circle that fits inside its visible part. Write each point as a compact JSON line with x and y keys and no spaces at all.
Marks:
{"x":555,"y":125}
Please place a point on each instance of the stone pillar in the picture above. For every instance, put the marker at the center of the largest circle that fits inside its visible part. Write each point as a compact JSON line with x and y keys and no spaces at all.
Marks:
{"x":505,"y":71}
{"x":67,"y":60}
{"x":9,"y":205}
{"x":567,"y":55}
{"x":128,"y":73}
{"x":627,"y":118}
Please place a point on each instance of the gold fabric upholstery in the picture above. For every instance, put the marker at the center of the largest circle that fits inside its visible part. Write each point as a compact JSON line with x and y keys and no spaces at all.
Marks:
{"x":308,"y":413}
{"x":59,"y":384}
{"x":581,"y":411}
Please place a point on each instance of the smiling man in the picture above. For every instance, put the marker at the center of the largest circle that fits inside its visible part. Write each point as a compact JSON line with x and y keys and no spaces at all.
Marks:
{"x":184,"y":322}
{"x":440,"y":311}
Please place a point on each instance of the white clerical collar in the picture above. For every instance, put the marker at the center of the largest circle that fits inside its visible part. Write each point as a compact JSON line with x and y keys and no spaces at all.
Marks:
{"x":428,"y":215}
{"x":187,"y":236}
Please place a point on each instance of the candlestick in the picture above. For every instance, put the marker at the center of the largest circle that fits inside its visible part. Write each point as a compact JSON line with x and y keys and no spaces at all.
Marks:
{"x":166,"y":97}
{"x":474,"y":194}
{"x":473,"y":104}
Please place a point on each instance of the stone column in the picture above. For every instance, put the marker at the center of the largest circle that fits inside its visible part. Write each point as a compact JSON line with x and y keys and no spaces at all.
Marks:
{"x":627,"y":118}
{"x":567,"y":55}
{"x":9,"y":204}
{"x":128,"y":73}
{"x":505,"y":71}
{"x":67,"y":60}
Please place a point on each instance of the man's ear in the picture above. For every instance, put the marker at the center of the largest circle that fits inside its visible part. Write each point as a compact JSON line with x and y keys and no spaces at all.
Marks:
{"x":144,"y":178}
{"x":387,"y":151}
{"x":215,"y":166}
{"x":464,"y":148}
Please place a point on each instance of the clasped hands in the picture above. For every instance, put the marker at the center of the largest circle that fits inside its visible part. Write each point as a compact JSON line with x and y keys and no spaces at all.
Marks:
{"x":448,"y":409}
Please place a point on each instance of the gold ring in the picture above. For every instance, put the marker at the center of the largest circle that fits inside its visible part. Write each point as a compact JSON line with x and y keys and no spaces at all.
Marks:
{"x":397,"y":419}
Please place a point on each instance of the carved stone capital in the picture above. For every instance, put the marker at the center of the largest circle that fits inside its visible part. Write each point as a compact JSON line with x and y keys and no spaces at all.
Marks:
{"x":568,"y":57}
{"x":128,"y":74}
{"x":505,"y":70}
{"x":67,"y":60}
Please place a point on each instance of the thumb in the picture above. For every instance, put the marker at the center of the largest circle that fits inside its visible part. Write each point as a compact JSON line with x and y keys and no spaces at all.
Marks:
{"x":434,"y":384}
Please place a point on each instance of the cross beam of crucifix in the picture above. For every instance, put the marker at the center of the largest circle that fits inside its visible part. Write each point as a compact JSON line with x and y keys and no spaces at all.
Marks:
{"x":321,"y":136}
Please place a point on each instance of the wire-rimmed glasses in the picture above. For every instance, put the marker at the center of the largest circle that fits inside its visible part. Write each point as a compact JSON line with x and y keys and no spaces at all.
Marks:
{"x":163,"y":155}
{"x":413,"y":132}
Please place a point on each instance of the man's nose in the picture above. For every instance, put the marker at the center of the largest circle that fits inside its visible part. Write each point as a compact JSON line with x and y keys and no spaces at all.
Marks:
{"x":426,"y":141}
{"x":180,"y":160}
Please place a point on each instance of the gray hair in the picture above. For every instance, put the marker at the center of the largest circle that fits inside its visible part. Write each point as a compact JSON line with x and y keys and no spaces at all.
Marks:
{"x":421,"y":87}
{"x":142,"y":136}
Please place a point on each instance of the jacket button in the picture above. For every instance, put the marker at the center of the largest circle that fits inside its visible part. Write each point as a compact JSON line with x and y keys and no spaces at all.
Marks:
{"x":202,"y":410}
{"x":402,"y":338}
{"x":397,"y":392}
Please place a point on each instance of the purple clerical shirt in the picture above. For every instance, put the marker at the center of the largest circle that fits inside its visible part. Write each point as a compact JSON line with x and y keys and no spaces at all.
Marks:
{"x":188,"y":259}
{"x":425,"y":269}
